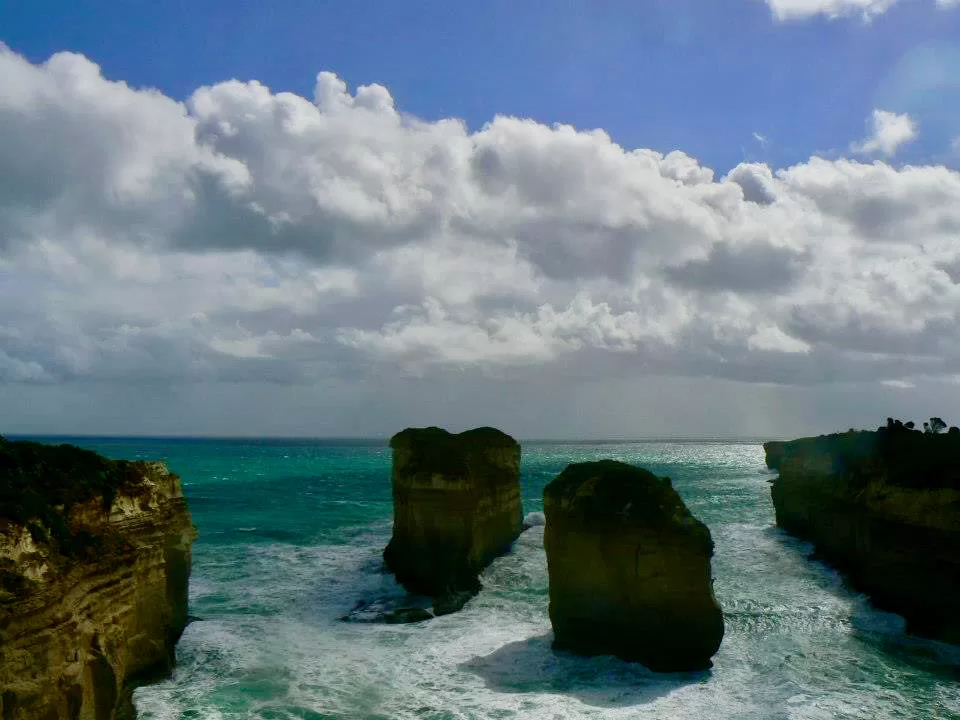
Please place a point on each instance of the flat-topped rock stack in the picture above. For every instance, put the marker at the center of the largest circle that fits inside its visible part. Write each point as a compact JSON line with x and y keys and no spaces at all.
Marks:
{"x":456,"y":506}
{"x":629,"y":569}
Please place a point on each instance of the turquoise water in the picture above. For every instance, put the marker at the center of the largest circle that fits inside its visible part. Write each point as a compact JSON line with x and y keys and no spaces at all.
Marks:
{"x":290,"y":538}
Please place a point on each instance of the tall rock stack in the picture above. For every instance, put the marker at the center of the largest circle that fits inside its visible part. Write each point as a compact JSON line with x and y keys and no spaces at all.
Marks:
{"x":95,"y":561}
{"x":456,"y":505}
{"x":629,"y":569}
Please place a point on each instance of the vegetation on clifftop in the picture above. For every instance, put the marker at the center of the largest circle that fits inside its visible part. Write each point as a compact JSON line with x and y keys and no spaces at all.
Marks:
{"x":895,"y":453}
{"x":39,"y":484}
{"x":434,"y":450}
{"x":609,"y":491}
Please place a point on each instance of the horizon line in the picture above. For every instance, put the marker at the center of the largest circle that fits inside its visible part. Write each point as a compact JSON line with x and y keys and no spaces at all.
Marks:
{"x":386,"y":439}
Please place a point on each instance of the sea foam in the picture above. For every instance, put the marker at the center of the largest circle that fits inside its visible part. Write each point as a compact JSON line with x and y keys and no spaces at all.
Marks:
{"x":270,"y":644}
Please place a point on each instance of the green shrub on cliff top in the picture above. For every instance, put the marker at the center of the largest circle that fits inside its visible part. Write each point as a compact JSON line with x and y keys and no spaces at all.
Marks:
{"x":435,"y":450}
{"x":895,"y":453}
{"x":39,"y":484}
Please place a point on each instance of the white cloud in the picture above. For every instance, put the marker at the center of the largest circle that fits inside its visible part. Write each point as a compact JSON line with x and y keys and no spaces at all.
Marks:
{"x":899,"y":384}
{"x":866,"y":9}
{"x":889,"y":132}
{"x":774,"y":339}
{"x":264,"y":238}
{"x":801,"y":9}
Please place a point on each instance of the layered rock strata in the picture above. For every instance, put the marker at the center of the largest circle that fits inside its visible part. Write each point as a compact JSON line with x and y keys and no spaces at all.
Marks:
{"x":883,"y":508}
{"x":456,"y":506}
{"x":94,"y":565}
{"x":629,"y":569}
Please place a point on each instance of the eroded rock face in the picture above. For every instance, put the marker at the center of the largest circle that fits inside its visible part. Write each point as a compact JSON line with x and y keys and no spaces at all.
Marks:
{"x":456,"y":506}
{"x":93,"y":590}
{"x":629,"y":569}
{"x":883,"y":508}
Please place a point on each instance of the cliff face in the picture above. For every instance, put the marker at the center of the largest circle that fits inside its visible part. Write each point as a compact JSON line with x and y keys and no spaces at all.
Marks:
{"x":93,"y":589}
{"x":629,"y":569}
{"x":456,"y":506}
{"x":884,"y":508}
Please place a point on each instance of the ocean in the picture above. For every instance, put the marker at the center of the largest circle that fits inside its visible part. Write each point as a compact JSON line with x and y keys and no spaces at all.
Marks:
{"x":290,"y":537}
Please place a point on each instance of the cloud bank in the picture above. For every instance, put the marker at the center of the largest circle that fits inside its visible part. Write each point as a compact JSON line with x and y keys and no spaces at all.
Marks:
{"x":246,"y":236}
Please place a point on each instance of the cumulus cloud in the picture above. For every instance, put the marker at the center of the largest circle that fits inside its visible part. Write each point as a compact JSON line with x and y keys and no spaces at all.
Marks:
{"x":890,"y":131}
{"x":247,"y":236}
{"x":755,"y":267}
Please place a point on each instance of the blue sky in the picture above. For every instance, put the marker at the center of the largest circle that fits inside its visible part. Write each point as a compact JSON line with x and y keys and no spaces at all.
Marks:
{"x":182,"y":254}
{"x":696,"y":75}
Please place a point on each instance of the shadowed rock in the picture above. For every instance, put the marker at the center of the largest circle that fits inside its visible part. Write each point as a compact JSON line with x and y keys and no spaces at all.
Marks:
{"x":884,"y":508}
{"x":456,"y":506}
{"x":629,"y":569}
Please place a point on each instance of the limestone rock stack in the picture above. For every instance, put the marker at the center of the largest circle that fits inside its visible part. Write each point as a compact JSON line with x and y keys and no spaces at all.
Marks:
{"x":629,"y":569}
{"x":456,"y":502}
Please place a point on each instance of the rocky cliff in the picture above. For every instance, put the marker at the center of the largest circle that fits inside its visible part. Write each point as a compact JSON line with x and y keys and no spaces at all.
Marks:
{"x":456,"y":506}
{"x":884,"y":508}
{"x":94,"y":567}
{"x":629,"y":569}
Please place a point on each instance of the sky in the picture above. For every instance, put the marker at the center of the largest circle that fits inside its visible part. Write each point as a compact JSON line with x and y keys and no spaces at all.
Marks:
{"x":602,"y":219}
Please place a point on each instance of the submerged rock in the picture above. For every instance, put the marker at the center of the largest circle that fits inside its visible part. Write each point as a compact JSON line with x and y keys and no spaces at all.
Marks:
{"x":629,"y":569}
{"x":456,"y":506}
{"x":95,"y":559}
{"x":451,"y":602}
{"x":387,"y":611}
{"x":407,"y":615}
{"x":883,"y":508}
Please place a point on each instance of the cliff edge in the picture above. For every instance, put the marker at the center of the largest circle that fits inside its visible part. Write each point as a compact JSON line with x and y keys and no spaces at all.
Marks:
{"x":629,"y":569}
{"x":456,"y":506}
{"x":94,"y":565}
{"x":883,"y":507}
